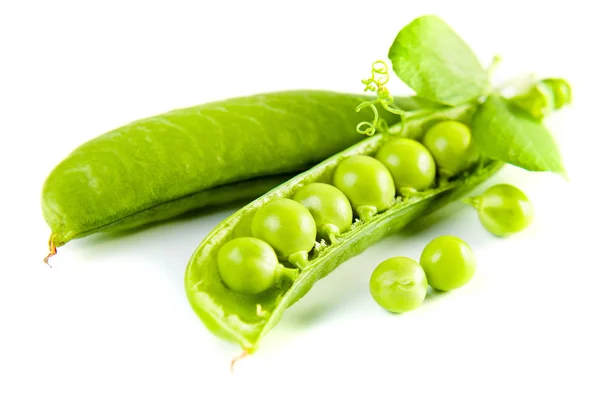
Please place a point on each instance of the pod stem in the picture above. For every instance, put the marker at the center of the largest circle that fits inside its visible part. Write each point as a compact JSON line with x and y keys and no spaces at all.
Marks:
{"x":366,"y":213}
{"x":331,"y":232}
{"x":238,"y":358}
{"x":285,"y":272}
{"x":52,"y":249}
{"x":407,"y":192}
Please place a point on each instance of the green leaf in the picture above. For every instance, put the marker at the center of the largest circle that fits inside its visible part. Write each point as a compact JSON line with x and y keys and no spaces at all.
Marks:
{"x":507,"y":133}
{"x":435,"y":62}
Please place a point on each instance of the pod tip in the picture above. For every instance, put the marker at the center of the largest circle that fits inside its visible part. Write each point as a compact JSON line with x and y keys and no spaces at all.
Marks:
{"x":52,"y":251}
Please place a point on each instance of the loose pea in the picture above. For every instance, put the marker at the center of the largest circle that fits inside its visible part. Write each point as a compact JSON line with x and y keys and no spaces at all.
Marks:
{"x":410,"y":163}
{"x":247,"y":265}
{"x":329,"y":207}
{"x":452,"y":147}
{"x":367,"y":183}
{"x":449,"y":263}
{"x":286,"y":225}
{"x":503,"y":209}
{"x":398,"y":284}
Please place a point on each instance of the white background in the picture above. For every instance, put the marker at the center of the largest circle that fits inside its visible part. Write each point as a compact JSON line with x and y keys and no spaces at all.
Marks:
{"x":110,"y":323}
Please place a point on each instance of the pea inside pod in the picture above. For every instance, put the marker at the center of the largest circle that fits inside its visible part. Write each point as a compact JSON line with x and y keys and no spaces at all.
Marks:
{"x":452,"y":147}
{"x":329,"y":207}
{"x":409,"y":162}
{"x":288,"y":227}
{"x":367,"y":183}
{"x":249,"y":265}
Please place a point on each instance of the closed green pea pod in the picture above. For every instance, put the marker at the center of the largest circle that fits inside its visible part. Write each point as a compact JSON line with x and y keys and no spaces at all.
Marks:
{"x":159,"y":167}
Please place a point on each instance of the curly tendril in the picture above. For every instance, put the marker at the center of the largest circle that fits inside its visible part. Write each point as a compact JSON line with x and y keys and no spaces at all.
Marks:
{"x":379,"y":76}
{"x":376,"y":83}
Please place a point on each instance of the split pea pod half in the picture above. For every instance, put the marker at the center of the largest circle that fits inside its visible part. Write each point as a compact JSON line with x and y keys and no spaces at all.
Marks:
{"x":159,"y":167}
{"x":379,"y":209}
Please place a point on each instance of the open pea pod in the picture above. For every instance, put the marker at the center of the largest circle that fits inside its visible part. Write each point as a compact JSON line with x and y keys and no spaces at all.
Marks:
{"x":247,"y":318}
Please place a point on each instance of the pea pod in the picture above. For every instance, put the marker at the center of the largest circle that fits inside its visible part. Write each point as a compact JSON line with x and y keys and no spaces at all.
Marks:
{"x":162,"y":166}
{"x":246,"y":319}
{"x":429,"y":57}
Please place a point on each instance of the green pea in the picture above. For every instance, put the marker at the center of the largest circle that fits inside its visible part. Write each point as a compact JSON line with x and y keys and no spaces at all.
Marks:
{"x":449,"y":263}
{"x":329,"y":207}
{"x":247,"y":265}
{"x":503,"y":209}
{"x":286,"y":225}
{"x":367,"y":183}
{"x":410,"y":163}
{"x":452,"y":147}
{"x":398,"y":284}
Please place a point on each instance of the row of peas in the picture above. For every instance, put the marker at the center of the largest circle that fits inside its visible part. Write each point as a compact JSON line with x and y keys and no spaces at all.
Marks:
{"x":286,"y":229}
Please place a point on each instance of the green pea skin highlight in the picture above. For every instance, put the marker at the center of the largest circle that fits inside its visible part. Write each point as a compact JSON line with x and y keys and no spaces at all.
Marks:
{"x":452,"y":147}
{"x":503,"y":209}
{"x":449,"y":263}
{"x":410,"y":163}
{"x":249,"y":265}
{"x":367,"y":183}
{"x":328,"y":206}
{"x":288,"y":227}
{"x":398,"y":284}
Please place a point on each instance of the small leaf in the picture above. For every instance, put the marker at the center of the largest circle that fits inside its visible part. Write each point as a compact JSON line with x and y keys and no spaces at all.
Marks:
{"x":435,"y":62}
{"x":507,"y":133}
